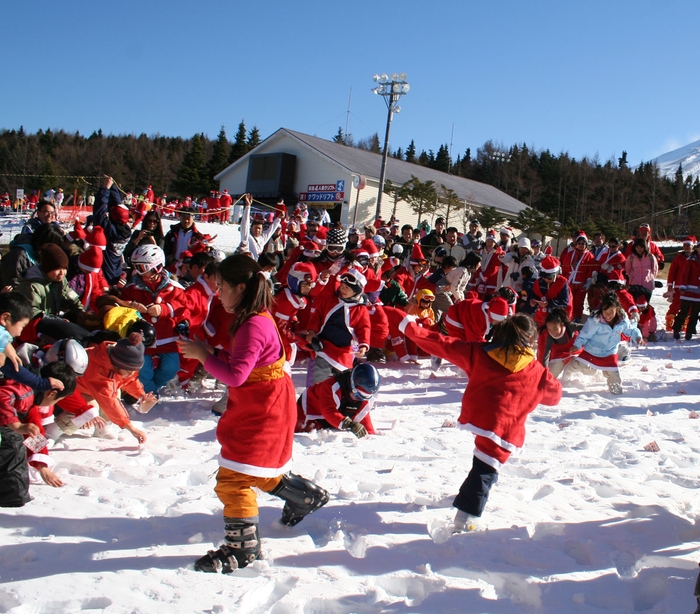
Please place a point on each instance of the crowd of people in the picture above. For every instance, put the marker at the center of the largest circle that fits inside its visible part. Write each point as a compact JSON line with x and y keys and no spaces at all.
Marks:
{"x":98,"y":323}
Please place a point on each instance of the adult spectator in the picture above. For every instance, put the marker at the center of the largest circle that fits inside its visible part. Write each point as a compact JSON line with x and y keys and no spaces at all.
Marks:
{"x":24,"y":253}
{"x":225,"y":203}
{"x":151,"y":231}
{"x":435,"y":237}
{"x":45,"y":214}
{"x":181,"y":236}
{"x":253,"y":236}
{"x":599,"y":246}
{"x":452,"y":247}
{"x":641,"y":268}
{"x":472,"y":240}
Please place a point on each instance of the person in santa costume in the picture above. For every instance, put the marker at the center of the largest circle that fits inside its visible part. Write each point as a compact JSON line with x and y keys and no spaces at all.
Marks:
{"x":673,"y":294}
{"x":550,"y":291}
{"x":89,"y":284}
{"x":644,"y":232}
{"x":485,"y":281}
{"x":599,"y":341}
{"x":21,"y":422}
{"x":556,"y":340}
{"x":256,"y":432}
{"x":225,"y":202}
{"x":506,"y":383}
{"x":472,"y":319}
{"x":688,"y":282}
{"x":343,"y":401}
{"x":578,"y":266}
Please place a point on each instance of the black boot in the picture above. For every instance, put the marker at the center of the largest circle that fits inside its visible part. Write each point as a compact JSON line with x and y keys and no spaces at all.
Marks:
{"x":301,"y":496}
{"x":241,"y":548}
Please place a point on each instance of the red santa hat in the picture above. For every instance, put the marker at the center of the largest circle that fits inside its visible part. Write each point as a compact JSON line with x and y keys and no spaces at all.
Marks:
{"x":581,"y":234}
{"x":690,"y":239}
{"x":119,"y":214}
{"x":310,"y":249}
{"x":498,"y":309}
{"x":417,"y":256}
{"x":645,"y":227}
{"x":96,"y":237}
{"x":491,"y":234}
{"x":641,"y":302}
{"x":550,"y":264}
{"x":78,"y":232}
{"x":506,"y":230}
{"x":359,"y":253}
{"x":91,"y":260}
{"x":369,"y":246}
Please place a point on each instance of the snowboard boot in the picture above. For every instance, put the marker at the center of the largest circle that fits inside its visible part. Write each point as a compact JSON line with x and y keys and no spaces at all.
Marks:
{"x":242,"y":547}
{"x":301,"y":497}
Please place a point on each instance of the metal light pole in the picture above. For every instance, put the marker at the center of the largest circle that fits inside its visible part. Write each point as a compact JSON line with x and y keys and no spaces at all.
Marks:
{"x":391,"y":89}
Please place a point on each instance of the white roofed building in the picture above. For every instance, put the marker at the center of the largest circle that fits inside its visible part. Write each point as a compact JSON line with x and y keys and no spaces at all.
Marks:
{"x":302,"y":168}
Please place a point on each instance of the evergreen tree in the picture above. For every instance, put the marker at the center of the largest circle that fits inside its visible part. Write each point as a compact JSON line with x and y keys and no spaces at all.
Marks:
{"x":442,"y":160}
{"x":240,"y":145}
{"x":398,"y":154}
{"x":218,"y":160}
{"x":192,"y":172}
{"x":449,"y":203}
{"x":374,"y":144}
{"x":339,"y":137}
{"x":424,"y":158}
{"x":622,"y":161}
{"x":420,"y":195}
{"x":411,"y":153}
{"x":253,"y":138}
{"x":489,"y":217}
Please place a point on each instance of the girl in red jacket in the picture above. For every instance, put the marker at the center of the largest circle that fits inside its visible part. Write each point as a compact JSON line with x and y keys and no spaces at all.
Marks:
{"x":256,"y":431}
{"x":506,"y":383}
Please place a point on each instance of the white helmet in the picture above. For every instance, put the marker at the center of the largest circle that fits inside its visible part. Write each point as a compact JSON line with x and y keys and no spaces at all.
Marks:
{"x":147,"y":258}
{"x":70,"y":352}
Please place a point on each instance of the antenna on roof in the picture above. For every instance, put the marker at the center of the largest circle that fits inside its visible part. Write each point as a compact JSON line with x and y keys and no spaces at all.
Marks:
{"x":452,"y":136}
{"x":347,"y":119}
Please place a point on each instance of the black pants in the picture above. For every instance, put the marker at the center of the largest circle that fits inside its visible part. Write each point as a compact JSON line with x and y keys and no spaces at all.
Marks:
{"x":692,"y":307}
{"x":474,"y":491}
{"x":14,"y":470}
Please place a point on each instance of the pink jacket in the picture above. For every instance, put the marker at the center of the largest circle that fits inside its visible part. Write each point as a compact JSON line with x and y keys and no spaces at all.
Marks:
{"x":642,"y":271}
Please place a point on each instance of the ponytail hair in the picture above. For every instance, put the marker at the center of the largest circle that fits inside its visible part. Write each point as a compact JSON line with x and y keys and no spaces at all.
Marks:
{"x":515,"y":334}
{"x":257,"y":296}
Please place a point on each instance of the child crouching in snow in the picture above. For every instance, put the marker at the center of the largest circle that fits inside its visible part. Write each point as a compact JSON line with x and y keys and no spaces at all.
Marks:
{"x":343,"y":401}
{"x":506,"y":373}
{"x":599,"y":339}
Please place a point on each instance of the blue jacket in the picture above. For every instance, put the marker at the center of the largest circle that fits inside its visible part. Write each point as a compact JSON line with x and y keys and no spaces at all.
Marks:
{"x":117,"y":235}
{"x":600,"y":339}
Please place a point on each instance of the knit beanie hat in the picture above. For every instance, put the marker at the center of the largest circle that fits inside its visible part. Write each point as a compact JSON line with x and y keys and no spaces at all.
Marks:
{"x":52,"y":257}
{"x":91,"y":260}
{"x":127,"y":353}
{"x":336,"y":236}
{"x":96,"y":236}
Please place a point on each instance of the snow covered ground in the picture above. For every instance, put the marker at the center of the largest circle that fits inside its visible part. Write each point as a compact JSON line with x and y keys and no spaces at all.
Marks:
{"x":584,"y":520}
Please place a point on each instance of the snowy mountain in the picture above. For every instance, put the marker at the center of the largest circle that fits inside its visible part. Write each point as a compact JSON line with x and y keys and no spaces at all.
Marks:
{"x":688,"y":156}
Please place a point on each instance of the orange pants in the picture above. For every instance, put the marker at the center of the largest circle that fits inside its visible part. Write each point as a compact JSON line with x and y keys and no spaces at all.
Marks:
{"x":235,"y":491}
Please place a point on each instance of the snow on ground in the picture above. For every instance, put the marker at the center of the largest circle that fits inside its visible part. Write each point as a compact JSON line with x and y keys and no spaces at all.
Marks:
{"x":584,"y":520}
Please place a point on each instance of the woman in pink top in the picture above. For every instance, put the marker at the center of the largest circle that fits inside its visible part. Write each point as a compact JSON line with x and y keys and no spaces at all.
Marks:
{"x":256,"y":431}
{"x":641,"y":268}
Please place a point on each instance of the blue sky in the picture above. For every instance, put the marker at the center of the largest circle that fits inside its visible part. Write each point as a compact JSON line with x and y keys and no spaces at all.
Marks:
{"x":589,"y":78}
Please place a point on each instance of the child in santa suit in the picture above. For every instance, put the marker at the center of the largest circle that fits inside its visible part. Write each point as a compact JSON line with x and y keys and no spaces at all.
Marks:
{"x":343,"y":401}
{"x":472,"y":318}
{"x":21,"y":420}
{"x":504,"y":371}
{"x":301,"y":279}
{"x":555,"y":344}
{"x":164,"y":301}
{"x":647,"y":319}
{"x":485,"y":281}
{"x":256,"y":432}
{"x":550,"y":291}
{"x":89,"y":284}
{"x":339,"y":327}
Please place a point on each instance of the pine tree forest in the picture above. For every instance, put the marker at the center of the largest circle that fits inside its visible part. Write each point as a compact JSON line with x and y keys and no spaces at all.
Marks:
{"x":573,"y":193}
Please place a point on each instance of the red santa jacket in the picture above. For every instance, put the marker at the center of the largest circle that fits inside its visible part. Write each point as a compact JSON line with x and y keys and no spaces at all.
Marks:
{"x":198,"y":299}
{"x":558,"y":295}
{"x":612,"y":265}
{"x":409,"y":282}
{"x":501,"y":391}
{"x":17,"y":405}
{"x":675,"y":269}
{"x":341,"y":326}
{"x":577,"y":267}
{"x":689,"y":279}
{"x":485,"y":281}
{"x":468,"y":320}
{"x":285,"y":308}
{"x":324,"y":401}
{"x":170,"y":296}
{"x":217,"y":325}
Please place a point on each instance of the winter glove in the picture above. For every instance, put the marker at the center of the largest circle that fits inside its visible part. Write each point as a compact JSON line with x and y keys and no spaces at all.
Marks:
{"x":661,"y":266}
{"x":514,"y":276}
{"x":316,"y":344}
{"x":357,"y":429}
{"x":183,"y":329}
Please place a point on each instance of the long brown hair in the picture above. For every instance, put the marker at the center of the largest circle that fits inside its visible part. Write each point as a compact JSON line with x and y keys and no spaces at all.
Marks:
{"x":256,"y":297}
{"x":516,"y":333}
